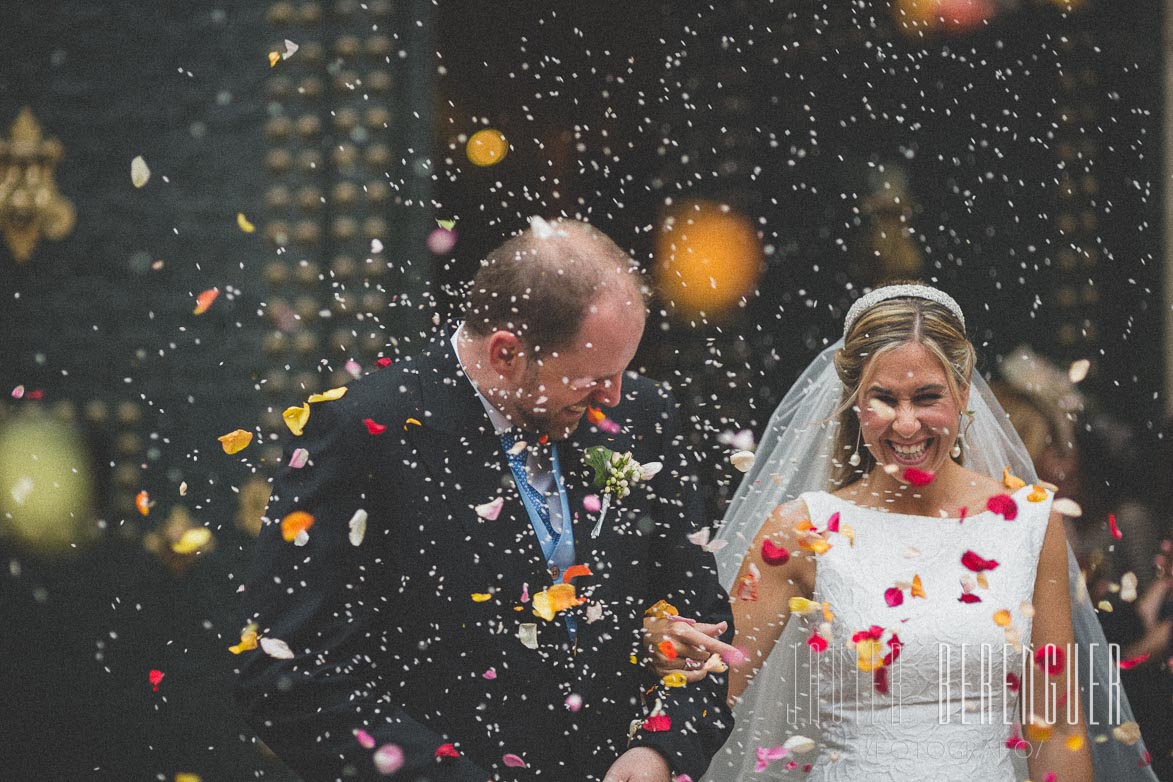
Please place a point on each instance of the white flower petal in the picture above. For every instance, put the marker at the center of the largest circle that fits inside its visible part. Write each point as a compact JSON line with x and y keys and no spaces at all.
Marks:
{"x":358,"y":527}
{"x":1067,"y":507}
{"x":1078,"y":370}
{"x":527,"y":633}
{"x":140,"y":172}
{"x":290,"y":49}
{"x":799,"y":744}
{"x":742,"y":460}
{"x":302,"y":538}
{"x":275,"y":647}
{"x":650,"y":470}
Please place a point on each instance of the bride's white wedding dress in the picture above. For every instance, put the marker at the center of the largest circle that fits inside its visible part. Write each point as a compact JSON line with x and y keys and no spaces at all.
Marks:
{"x":948,"y":712}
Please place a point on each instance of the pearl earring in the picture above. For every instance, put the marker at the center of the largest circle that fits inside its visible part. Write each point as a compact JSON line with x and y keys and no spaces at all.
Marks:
{"x":855,"y":459}
{"x":955,"y":451}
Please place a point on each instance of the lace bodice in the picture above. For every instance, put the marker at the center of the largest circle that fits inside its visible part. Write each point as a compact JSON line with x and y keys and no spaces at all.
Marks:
{"x":941,"y":708}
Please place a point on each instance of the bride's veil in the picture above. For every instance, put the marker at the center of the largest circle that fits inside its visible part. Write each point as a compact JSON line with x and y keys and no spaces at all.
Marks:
{"x":794,"y":456}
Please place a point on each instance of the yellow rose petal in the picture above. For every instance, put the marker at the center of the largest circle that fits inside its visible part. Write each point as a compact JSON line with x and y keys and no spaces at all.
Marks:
{"x":248,"y":640}
{"x":192,"y":540}
{"x":674,"y":679}
{"x":480,"y":597}
{"x":1104,"y":606}
{"x":1013,"y":483}
{"x":296,"y":418}
{"x":243,"y":223}
{"x":1002,"y":618}
{"x":236,"y":441}
{"x":1074,"y":743}
{"x":802,"y":606}
{"x":328,"y":396}
{"x":1127,"y":733}
{"x":274,"y":58}
{"x":185,"y":777}
{"x":1037,"y":494}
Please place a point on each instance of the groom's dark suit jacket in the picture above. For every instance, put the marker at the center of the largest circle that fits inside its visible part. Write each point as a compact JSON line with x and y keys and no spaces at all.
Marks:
{"x":387,"y":636}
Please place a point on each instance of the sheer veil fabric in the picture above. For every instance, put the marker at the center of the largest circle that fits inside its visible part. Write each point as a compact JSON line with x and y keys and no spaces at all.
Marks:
{"x":794,"y":456}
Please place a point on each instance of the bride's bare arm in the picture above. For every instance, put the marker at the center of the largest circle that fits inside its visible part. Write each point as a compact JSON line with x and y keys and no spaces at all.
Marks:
{"x":1066,"y":751}
{"x":758,"y":623}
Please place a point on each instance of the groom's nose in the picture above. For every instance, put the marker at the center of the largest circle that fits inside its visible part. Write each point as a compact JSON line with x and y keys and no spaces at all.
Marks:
{"x":609,"y":391}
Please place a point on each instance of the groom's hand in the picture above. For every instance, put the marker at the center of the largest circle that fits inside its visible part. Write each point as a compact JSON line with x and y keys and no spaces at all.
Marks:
{"x":691,"y":643}
{"x":639,"y":764}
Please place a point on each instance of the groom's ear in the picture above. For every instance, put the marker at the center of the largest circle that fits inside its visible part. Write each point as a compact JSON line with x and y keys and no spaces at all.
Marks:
{"x":506,"y":354}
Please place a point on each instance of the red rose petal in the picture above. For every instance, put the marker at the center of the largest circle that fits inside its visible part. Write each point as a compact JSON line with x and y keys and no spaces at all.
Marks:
{"x":918,"y":477}
{"x":969,"y":597}
{"x":447,"y":751}
{"x":893,"y":596}
{"x":156,"y":677}
{"x":1116,"y":533}
{"x":976,"y":563}
{"x":1050,"y":658}
{"x":1132,"y":662}
{"x":383,"y":362}
{"x":833,"y":522}
{"x":774,"y":555}
{"x":1004,"y":505}
{"x":658,"y":723}
{"x":817,"y":642}
{"x":374,"y":428}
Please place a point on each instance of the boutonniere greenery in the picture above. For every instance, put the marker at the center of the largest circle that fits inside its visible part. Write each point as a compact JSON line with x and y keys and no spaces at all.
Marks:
{"x":615,"y":474}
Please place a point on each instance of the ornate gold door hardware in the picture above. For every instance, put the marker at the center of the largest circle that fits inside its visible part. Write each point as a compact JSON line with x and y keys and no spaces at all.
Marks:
{"x":30,"y":206}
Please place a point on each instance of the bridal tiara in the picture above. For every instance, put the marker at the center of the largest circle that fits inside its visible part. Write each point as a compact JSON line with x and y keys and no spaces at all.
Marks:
{"x":864,"y":303}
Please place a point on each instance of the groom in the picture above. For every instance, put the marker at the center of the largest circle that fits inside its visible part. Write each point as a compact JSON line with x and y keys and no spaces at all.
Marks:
{"x":448,"y":494}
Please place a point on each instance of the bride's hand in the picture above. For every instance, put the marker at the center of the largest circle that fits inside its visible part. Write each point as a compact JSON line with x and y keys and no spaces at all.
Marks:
{"x":691,"y":644}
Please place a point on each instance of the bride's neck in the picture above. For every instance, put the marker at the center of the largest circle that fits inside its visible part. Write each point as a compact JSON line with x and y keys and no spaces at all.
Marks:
{"x":940,"y":498}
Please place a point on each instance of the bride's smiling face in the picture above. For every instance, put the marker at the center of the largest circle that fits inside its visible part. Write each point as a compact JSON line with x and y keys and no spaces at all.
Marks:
{"x":908,"y":415}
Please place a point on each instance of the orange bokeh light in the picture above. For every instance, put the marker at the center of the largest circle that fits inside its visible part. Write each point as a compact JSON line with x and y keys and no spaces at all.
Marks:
{"x":708,"y":258}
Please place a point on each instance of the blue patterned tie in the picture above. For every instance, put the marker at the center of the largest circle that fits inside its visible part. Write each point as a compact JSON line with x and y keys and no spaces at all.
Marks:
{"x":517,"y":466}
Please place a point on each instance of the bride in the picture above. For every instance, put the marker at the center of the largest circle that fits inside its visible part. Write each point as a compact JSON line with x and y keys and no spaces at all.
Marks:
{"x":901,"y":585}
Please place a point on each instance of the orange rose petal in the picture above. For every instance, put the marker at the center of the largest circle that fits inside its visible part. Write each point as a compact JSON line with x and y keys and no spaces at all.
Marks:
{"x":1037,"y":494}
{"x":574,"y":571}
{"x":204,"y":301}
{"x":142,"y":502}
{"x":982,"y":581}
{"x":297,"y":522}
{"x":235,"y":441}
{"x":274,"y":58}
{"x":1074,"y":743}
{"x":667,"y":649}
{"x":918,"y":588}
{"x":1011,"y":482}
{"x":1002,"y":618}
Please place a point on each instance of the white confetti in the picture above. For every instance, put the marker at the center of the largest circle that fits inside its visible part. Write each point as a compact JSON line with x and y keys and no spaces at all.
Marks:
{"x":275,"y":647}
{"x":742,"y":460}
{"x":358,"y":527}
{"x":489,"y":511}
{"x":1078,"y":370}
{"x":140,"y":172}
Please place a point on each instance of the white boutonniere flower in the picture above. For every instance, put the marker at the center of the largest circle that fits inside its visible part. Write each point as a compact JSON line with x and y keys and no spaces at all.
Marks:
{"x":615,"y":474}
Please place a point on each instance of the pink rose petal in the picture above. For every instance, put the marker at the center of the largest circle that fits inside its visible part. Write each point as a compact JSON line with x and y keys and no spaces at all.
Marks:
{"x":591,"y":503}
{"x":491,"y":510}
{"x":490,"y":674}
{"x":513,"y":761}
{"x":574,"y":702}
{"x":388,"y":759}
{"x":298,"y":458}
{"x":365,"y":740}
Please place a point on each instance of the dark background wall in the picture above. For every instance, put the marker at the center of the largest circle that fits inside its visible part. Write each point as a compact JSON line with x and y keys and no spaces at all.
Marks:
{"x":1027,"y":150}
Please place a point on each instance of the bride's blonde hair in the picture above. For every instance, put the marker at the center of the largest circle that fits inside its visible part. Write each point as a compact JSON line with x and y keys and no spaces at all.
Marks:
{"x":880,"y":329}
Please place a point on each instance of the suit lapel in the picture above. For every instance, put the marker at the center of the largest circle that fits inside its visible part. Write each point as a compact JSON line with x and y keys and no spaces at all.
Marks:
{"x":465,"y":459}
